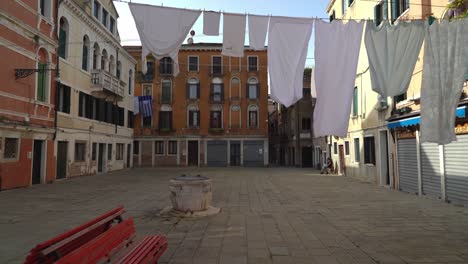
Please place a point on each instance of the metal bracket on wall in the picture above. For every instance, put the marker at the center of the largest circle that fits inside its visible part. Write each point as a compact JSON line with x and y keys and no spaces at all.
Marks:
{"x":23,"y":73}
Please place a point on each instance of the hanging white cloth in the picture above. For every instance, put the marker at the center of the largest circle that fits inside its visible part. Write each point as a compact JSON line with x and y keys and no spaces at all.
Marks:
{"x":211,"y":23}
{"x":162,"y":30}
{"x":337,"y":48}
{"x":288,"y":40}
{"x":136,"y":105}
{"x":444,"y":69}
{"x":233,"y":35}
{"x":258,"y":26}
{"x":392,"y":52}
{"x":313,"y":89}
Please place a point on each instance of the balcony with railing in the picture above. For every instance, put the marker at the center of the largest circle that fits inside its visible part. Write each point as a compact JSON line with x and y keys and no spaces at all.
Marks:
{"x":103,"y":84}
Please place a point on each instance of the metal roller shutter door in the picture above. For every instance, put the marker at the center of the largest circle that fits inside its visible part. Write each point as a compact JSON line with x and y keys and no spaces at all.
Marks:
{"x":216,"y":153}
{"x":456,"y":170}
{"x":430,"y":169}
{"x":408,"y":165}
{"x":253,"y":153}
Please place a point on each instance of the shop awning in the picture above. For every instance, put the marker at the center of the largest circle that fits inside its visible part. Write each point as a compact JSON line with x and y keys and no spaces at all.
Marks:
{"x":410,"y":121}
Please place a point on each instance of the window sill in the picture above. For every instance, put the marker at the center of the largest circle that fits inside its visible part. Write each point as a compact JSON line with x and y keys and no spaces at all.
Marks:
{"x":42,"y":103}
{"x":354,"y":116}
{"x":369,"y":164}
{"x":48,"y":20}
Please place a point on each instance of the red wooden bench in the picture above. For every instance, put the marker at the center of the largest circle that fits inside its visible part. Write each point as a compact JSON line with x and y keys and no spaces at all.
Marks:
{"x":98,"y":241}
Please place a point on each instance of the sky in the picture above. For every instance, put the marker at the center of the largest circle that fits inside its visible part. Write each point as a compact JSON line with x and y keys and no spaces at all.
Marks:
{"x":295,"y":8}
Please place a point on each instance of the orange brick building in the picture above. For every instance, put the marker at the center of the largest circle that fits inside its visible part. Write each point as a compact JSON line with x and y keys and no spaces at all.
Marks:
{"x":28,"y":45}
{"x":214,"y":113}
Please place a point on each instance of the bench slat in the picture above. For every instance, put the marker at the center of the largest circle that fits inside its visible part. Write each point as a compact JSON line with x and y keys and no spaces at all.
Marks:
{"x":148,"y":250}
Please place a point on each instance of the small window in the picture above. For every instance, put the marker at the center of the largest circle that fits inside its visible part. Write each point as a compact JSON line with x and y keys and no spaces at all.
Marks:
{"x":94,"y":151}
{"x":85,"y":54}
{"x":357,"y":150}
{"x":97,"y":8}
{"x":193,"y":117}
{"x":80,"y":151}
{"x":172,"y":147}
{"x":346,"y":148}
{"x":63,"y":38}
{"x":252,"y":63}
{"x":216,"y":119}
{"x":217,"y":90}
{"x":63,"y":99}
{"x":10,"y":150}
{"x":105,"y":14}
{"x":253,"y":88}
{"x":136,"y":147}
{"x":193,"y":89}
{"x":159,"y":147}
{"x":165,"y":66}
{"x":109,"y":151}
{"x":112,"y":25}
{"x":216,"y":65}
{"x":398,"y":7}
{"x":369,"y":150}
{"x":378,"y":14}
{"x":253,"y":116}
{"x":165,"y":120}
{"x":335,"y":148}
{"x":355,"y":102}
{"x":305,"y":124}
{"x":119,"y":155}
{"x":193,"y":63}
{"x":130,"y":82}
{"x":147,"y":89}
{"x":166,"y":91}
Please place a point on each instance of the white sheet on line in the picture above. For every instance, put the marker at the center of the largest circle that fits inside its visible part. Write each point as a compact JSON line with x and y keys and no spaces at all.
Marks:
{"x":162,"y":30}
{"x":258,"y":26}
{"x":336,"y":56}
{"x":136,"y":105}
{"x":392,"y":52}
{"x":313,"y":89}
{"x":233,"y":35}
{"x":211,"y":23}
{"x":288,"y":40}
{"x":444,"y":69}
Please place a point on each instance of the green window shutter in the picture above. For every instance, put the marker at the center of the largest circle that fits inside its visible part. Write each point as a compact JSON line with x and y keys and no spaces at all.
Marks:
{"x":355,"y":102}
{"x":41,"y":79}
{"x":62,"y":43}
{"x":84,"y":64}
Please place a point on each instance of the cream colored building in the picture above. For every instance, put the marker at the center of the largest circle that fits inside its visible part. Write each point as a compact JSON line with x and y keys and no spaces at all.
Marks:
{"x":370,"y":150}
{"x":95,"y":97}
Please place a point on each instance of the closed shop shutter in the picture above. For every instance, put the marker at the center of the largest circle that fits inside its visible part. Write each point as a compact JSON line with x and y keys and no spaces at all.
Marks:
{"x":430,"y":169}
{"x":408,"y":165}
{"x":253,"y":153}
{"x":456,"y":170}
{"x":216,"y":153}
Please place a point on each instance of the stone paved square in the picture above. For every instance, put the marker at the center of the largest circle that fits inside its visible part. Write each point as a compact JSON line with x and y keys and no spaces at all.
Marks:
{"x":269,"y":215}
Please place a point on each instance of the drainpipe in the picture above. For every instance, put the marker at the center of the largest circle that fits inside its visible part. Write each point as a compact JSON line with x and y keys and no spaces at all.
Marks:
{"x":57,"y":72}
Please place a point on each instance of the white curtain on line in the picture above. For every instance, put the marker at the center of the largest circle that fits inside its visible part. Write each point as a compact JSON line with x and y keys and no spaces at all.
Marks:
{"x":233,"y":35}
{"x":258,"y":27}
{"x":211,"y":23}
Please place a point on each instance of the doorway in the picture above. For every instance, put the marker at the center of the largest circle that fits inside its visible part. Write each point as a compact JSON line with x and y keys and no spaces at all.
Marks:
{"x":307,"y":157}
{"x":62,"y":150}
{"x":193,"y":153}
{"x":38,"y":161}
{"x":384,"y":173}
{"x":235,"y":154}
{"x":101,"y":158}
{"x":342,"y":160}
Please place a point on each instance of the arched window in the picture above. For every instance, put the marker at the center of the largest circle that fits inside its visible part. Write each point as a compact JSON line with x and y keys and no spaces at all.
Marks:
{"x":193,"y":116}
{"x":253,"y":90}
{"x":234,"y":88}
{"x":43,"y":76}
{"x":253,"y":116}
{"x":119,"y":69}
{"x":96,"y":54}
{"x":130,"y":82}
{"x":216,"y":116}
{"x":217,"y":90}
{"x":112,"y":65}
{"x":63,"y":38}
{"x":235,"y":116}
{"x":166,"y":91}
{"x":104,"y":60}
{"x":165,"y":117}
{"x":193,"y":89}
{"x":85,"y":55}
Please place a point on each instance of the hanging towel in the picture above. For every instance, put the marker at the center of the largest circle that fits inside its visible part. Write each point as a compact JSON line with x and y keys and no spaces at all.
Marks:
{"x":444,"y":68}
{"x":392,"y":52}
{"x":136,"y":105}
{"x":313,"y":90}
{"x":288,"y":40}
{"x":258,"y":26}
{"x":211,"y":23}
{"x":146,"y":103}
{"x":233,"y":35}
{"x":336,"y":56}
{"x":162,"y":30}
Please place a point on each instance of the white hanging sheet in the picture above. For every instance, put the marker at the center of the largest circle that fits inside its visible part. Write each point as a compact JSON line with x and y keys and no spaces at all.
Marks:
{"x":392,"y":52}
{"x":258,"y":26}
{"x":444,"y":69}
{"x":313,"y":90}
{"x":288,"y":40}
{"x":162,"y":30}
{"x":233,"y":35}
{"x":337,"y":48}
{"x":136,"y":105}
{"x":211,"y":23}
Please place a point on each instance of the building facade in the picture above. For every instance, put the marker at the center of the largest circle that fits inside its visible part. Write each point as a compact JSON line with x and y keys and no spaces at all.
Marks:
{"x":95,"y":94}
{"x":383,"y":144}
{"x":28,"y":45}
{"x":214,"y":113}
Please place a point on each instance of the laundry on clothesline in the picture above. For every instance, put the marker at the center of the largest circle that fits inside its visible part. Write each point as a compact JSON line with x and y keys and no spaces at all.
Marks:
{"x":211,"y":23}
{"x":258,"y":26}
{"x":233,"y":35}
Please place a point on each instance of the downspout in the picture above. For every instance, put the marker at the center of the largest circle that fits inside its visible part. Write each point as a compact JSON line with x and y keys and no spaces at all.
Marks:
{"x":57,"y":72}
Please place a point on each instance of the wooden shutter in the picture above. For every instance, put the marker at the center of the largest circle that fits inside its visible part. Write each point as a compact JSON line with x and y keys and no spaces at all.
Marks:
{"x":84,"y":62}
{"x":222,"y":92}
{"x":198,"y":90}
{"x":247,"y":94}
{"x":187,"y":90}
{"x":212,"y":92}
{"x":258,"y":90}
{"x":80,"y":104}
{"x":66,"y":99}
{"x":190,"y":117}
{"x":41,"y":82}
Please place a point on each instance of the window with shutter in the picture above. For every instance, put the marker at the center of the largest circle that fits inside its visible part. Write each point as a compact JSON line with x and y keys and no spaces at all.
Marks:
{"x":369,"y":150}
{"x":166,"y":94}
{"x":252,"y":63}
{"x":193,"y":63}
{"x":355,"y":102}
{"x":357,"y":150}
{"x":216,"y":65}
{"x":41,"y":82}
